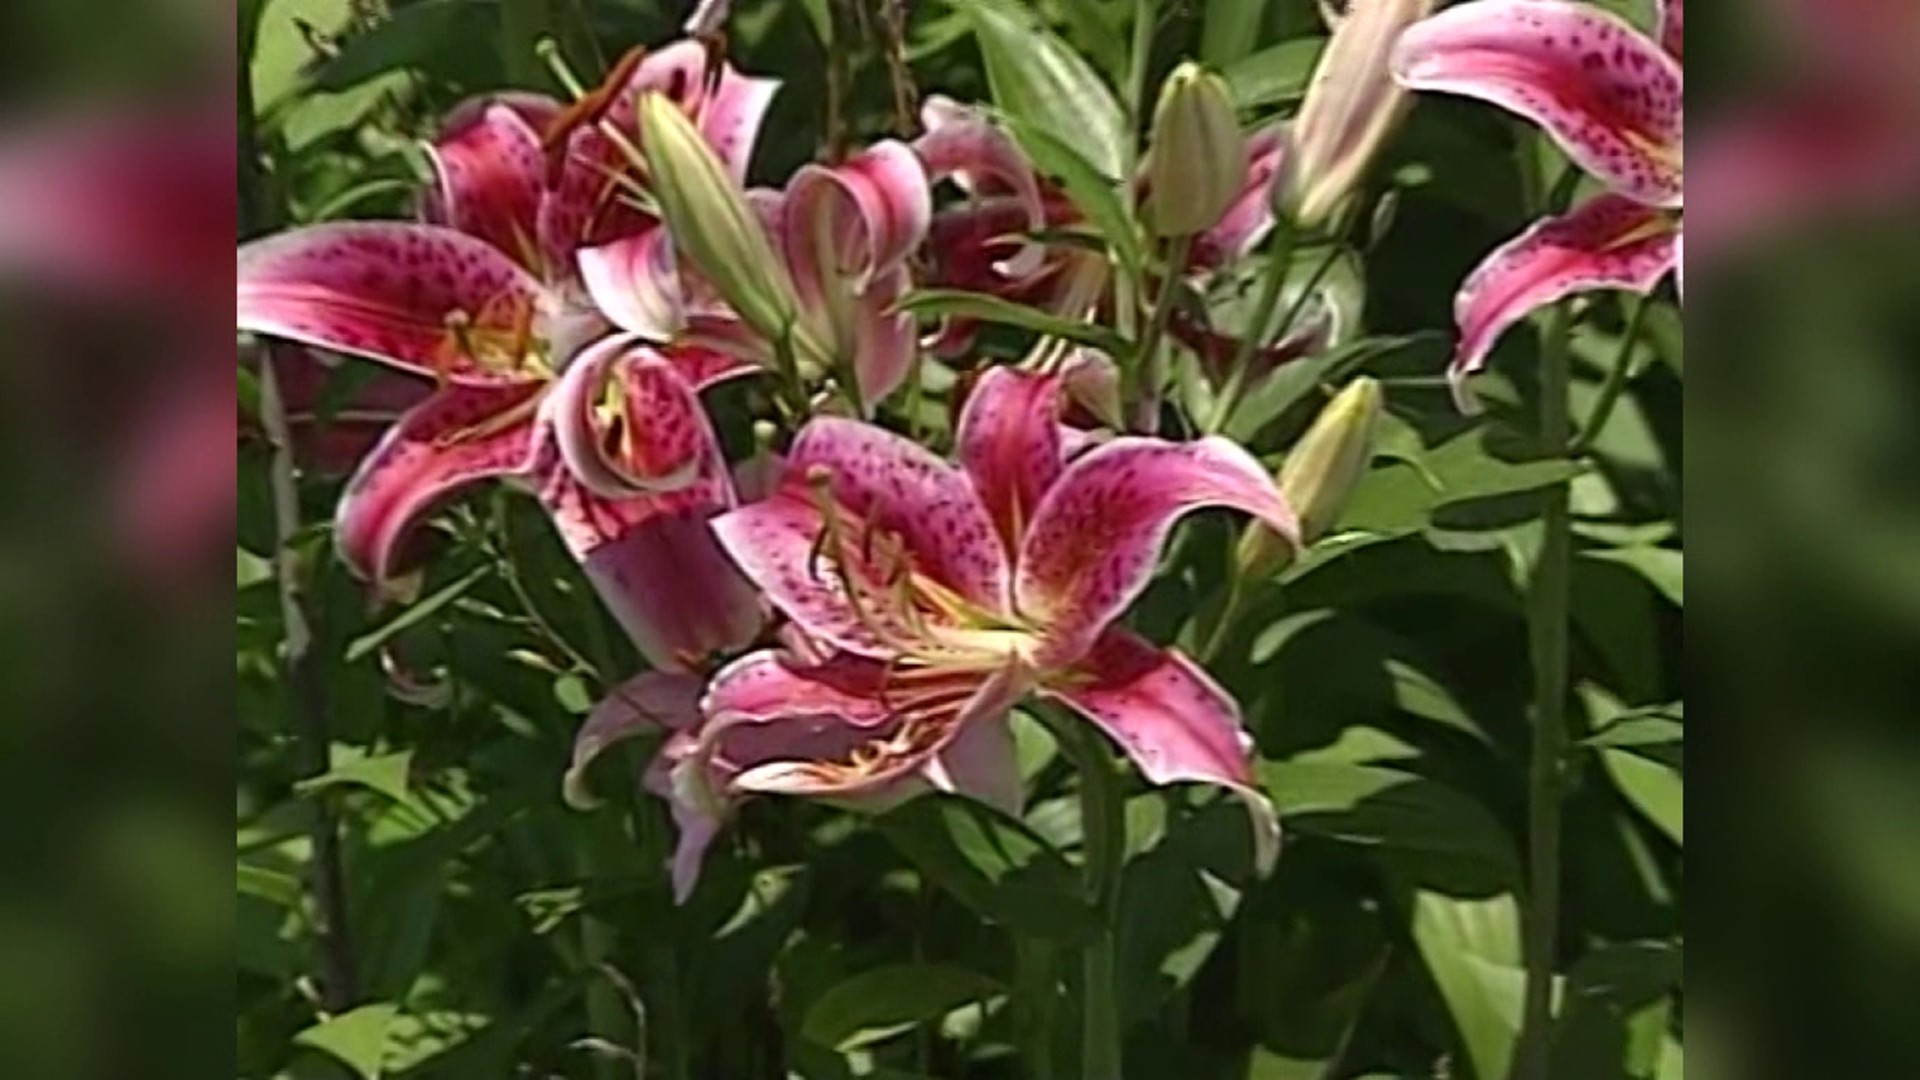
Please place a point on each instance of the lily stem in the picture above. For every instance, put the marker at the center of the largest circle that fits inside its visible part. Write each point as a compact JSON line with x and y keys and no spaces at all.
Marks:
{"x":1272,"y":280}
{"x":1151,"y":369}
{"x":1549,"y":600}
{"x":1616,"y":384}
{"x":1103,"y":847}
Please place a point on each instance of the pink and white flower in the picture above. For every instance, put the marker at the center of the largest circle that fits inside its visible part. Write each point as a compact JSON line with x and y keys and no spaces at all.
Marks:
{"x":1611,"y":98}
{"x":483,"y":297}
{"x":939,"y":595}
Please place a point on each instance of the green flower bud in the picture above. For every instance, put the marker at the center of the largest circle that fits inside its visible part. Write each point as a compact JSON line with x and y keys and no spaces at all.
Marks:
{"x":1352,"y":104}
{"x":1319,"y":475}
{"x":713,"y":227}
{"x":1197,"y":156}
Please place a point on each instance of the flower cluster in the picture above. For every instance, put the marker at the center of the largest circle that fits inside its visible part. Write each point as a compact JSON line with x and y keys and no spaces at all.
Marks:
{"x":858,"y":622}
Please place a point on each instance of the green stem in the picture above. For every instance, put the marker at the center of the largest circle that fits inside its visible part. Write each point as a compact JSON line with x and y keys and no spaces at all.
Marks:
{"x":1150,"y":371}
{"x":1140,"y":60}
{"x":1616,"y":383}
{"x":1230,"y":613}
{"x":1547,"y":615}
{"x":1272,"y":280}
{"x":1103,"y":850}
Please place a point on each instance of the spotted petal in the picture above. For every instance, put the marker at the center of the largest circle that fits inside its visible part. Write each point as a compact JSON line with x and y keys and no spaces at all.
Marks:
{"x":1672,"y":32}
{"x":387,"y":291}
{"x":1608,"y":242}
{"x":1609,"y":95}
{"x":626,"y":422}
{"x":491,"y":176}
{"x":1173,"y":720}
{"x":459,"y":435}
{"x":1010,"y":444}
{"x":883,"y":489}
{"x":962,"y":143}
{"x":1091,"y":548}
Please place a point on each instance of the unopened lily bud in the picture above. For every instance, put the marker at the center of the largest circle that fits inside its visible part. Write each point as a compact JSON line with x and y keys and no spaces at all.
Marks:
{"x":1319,"y":475}
{"x":1352,"y":103}
{"x":714,"y":229}
{"x":1197,"y":157}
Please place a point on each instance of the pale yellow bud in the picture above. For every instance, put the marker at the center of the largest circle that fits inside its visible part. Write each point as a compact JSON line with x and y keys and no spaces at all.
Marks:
{"x":1352,"y":104}
{"x":1197,"y":156}
{"x":714,"y":229}
{"x":1320,"y":474}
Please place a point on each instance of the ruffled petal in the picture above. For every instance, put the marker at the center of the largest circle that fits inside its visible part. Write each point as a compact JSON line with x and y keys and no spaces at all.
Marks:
{"x":459,"y":435}
{"x":1009,"y":442}
{"x":849,"y":222}
{"x":1608,"y":242}
{"x":891,"y":501}
{"x":1607,"y":94}
{"x":653,"y":702}
{"x":491,"y":178}
{"x":1173,"y":720}
{"x":1091,"y":548}
{"x":394,"y":291}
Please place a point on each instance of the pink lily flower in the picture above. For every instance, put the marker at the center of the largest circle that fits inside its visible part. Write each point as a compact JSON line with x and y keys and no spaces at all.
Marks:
{"x":484,"y":298}
{"x":981,"y":245}
{"x":1611,"y":97}
{"x":841,"y":237}
{"x":941,"y":595}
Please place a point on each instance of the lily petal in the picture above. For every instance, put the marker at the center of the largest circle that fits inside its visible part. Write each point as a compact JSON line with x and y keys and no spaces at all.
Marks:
{"x":652,"y":437}
{"x":849,"y":222}
{"x":982,"y":761}
{"x":886,"y":340}
{"x":1009,"y":442}
{"x":1173,"y":720}
{"x":634,"y":283}
{"x":492,"y":176}
{"x":651,"y":702}
{"x":387,"y":290}
{"x":1091,"y":548}
{"x":459,"y":435}
{"x":963,"y":144}
{"x":1608,"y":242}
{"x":1672,"y":33}
{"x":1607,"y":94}
{"x":652,"y":558}
{"x":878,"y":483}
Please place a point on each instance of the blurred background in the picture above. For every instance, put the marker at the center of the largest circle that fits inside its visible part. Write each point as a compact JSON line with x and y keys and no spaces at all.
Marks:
{"x":124,"y":178}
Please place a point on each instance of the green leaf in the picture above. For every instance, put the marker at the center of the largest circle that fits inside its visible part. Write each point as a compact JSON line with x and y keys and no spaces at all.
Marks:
{"x":989,"y":862}
{"x":386,"y":774}
{"x":367,"y":644}
{"x":1274,"y":76}
{"x":250,"y":569}
{"x":1040,"y":79}
{"x":992,"y":309}
{"x":1613,"y":1012}
{"x":1405,"y":495}
{"x":877,"y":1005}
{"x":1231,"y":30}
{"x":1471,"y":947}
{"x":1396,"y":811}
{"x":282,"y":54}
{"x":1663,"y":568}
{"x":1654,"y":789}
{"x":358,"y":1038}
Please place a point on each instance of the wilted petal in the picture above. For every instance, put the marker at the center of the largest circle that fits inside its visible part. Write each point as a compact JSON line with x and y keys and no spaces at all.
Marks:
{"x":851,"y":221}
{"x":391,"y":291}
{"x":653,"y":702}
{"x":1092,"y":545}
{"x":1607,"y":94}
{"x":1608,"y":242}
{"x":634,"y":283}
{"x":626,"y":422}
{"x":459,"y":435}
{"x":1009,"y":442}
{"x":492,"y":175}
{"x":1172,"y":719}
{"x":884,"y":491}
